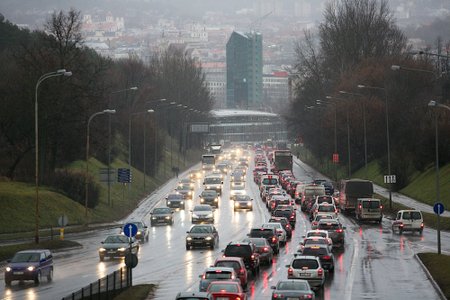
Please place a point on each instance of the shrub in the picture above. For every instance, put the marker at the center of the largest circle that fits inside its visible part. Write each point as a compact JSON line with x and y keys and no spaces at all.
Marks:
{"x":72,"y":184}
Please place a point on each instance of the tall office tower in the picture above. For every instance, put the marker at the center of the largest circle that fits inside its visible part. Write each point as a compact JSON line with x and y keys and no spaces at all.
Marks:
{"x":244,"y":70}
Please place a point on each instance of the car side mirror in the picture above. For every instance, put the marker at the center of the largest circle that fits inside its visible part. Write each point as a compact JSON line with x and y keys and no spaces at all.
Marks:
{"x":273,"y":287}
{"x":344,"y":227}
{"x":200,"y":276}
{"x":8,"y":260}
{"x":287,"y":266}
{"x":187,"y":231}
{"x":223,"y":250}
{"x":102,"y":242}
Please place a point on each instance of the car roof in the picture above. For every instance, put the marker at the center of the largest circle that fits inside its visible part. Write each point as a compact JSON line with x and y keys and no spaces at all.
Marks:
{"x":230,"y":258}
{"x":33,"y":251}
{"x":329,"y":221}
{"x":224,"y":269}
{"x":194,"y":294}
{"x":304,"y":257}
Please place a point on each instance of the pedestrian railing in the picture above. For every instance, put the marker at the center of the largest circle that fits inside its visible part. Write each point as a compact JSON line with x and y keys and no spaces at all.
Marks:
{"x":104,"y":288}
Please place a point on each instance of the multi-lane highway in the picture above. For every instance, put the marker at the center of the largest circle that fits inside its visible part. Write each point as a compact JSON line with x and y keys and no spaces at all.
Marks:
{"x":375,"y":263}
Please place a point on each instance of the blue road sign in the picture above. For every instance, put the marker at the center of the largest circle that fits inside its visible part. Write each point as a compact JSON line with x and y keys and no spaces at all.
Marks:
{"x":438,"y":208}
{"x":123,"y":175}
{"x":130,"y":230}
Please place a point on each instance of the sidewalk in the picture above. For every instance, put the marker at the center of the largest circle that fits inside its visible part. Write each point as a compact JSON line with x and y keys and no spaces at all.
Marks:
{"x":396,"y":197}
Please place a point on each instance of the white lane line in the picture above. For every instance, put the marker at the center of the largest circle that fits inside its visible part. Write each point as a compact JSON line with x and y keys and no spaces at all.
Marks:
{"x":351,"y":274}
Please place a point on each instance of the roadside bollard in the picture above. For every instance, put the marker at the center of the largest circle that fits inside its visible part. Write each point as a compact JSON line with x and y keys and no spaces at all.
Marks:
{"x":61,"y":233}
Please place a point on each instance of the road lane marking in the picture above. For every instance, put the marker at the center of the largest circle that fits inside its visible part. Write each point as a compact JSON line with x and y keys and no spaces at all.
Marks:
{"x":351,"y":275}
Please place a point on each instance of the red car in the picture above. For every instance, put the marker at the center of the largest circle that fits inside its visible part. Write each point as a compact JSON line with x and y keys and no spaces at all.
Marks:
{"x":237,"y":263}
{"x":229,"y":290}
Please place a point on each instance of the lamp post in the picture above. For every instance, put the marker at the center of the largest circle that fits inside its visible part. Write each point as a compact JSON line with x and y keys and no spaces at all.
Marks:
{"x":335,"y":135}
{"x":349,"y":174}
{"x":133,"y":88}
{"x":61,"y":72}
{"x":145,"y":139}
{"x":364,"y":125}
{"x":435,"y":104}
{"x":155,"y":160}
{"x":129,"y":138}
{"x":361,"y":86}
{"x":86,"y":182}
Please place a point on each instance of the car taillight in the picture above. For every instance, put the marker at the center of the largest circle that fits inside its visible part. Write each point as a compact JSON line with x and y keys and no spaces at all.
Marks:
{"x":276,"y":296}
{"x":320,"y":272}
{"x":292,"y":216}
{"x":265,"y":249}
{"x":290,"y":271}
{"x":381,"y":206}
{"x":315,"y":223}
{"x":339,"y":231}
{"x":401,"y":224}
{"x":203,"y":276}
{"x":288,"y":226}
{"x":360,"y":206}
{"x":421,"y":225}
{"x":242,"y":271}
{"x":274,"y":239}
{"x":296,"y":195}
{"x":307,"y":297}
{"x":326,"y":257}
{"x":252,"y":257}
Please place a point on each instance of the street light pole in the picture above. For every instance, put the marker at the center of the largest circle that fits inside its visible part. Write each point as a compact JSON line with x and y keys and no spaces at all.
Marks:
{"x":86,"y":182}
{"x":361,"y":86}
{"x":134,"y":88}
{"x":155,"y":160}
{"x":364,"y":127}
{"x":61,"y":72}
{"x":335,"y":135}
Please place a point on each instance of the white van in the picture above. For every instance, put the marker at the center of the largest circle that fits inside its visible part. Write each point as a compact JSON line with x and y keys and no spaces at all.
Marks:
{"x":368,"y":209}
{"x":408,"y":220}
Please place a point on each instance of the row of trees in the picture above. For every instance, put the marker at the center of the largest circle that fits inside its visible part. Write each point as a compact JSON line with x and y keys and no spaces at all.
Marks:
{"x":66,"y":103}
{"x":357,"y":44}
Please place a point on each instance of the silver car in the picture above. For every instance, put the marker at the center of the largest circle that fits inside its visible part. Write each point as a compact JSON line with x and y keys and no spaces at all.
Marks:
{"x":307,"y":268}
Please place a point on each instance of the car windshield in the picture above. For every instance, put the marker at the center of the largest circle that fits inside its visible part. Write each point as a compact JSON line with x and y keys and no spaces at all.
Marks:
{"x":201,"y":229}
{"x":317,"y":233}
{"x":325,"y":200}
{"x":326,"y":208}
{"x":315,"y":251}
{"x":323,"y":217}
{"x":313,"y":192}
{"x":261,"y":233}
{"x":175,"y":197}
{"x":412,"y":215}
{"x":292,"y":285}
{"x":229,"y":264}
{"x":232,"y":288}
{"x":113,"y":239}
{"x":270,"y":181}
{"x":371,"y":204}
{"x":328,"y":226}
{"x":238,"y":187}
{"x":209,"y":194}
{"x":202,"y":208}
{"x":237,"y":250}
{"x":316,"y":242}
{"x":162,"y":210}
{"x":139,"y":225}
{"x":26,"y":257}
{"x":282,"y":221}
{"x":218,"y":275}
{"x":184,"y":186}
{"x":282,"y":213}
{"x":242,"y":198}
{"x":213,"y":180}
{"x":305,"y":264}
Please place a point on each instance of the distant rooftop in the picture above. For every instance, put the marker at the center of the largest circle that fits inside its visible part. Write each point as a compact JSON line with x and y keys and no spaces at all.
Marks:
{"x":222,"y":113}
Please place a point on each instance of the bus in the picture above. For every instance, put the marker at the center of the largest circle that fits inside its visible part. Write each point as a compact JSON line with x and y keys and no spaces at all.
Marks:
{"x":282,"y":160}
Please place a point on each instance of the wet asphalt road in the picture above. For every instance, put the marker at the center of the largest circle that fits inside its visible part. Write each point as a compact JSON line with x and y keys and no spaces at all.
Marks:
{"x":374,"y":264}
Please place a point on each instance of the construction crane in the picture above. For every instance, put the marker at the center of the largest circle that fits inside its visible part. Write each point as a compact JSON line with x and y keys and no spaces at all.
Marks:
{"x":256,"y":24}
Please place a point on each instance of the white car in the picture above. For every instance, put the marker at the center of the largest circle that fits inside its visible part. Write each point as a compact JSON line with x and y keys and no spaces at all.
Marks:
{"x":279,"y":229}
{"x":318,"y":217}
{"x":308,"y":268}
{"x":314,"y":240}
{"x":202,"y":213}
{"x":320,"y":233}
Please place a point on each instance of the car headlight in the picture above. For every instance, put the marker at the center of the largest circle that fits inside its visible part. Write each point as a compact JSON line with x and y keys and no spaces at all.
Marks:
{"x":8,"y":269}
{"x":101,"y":250}
{"x":208,"y":238}
{"x":138,"y":232}
{"x":121,"y":249}
{"x":167,"y":217}
{"x":209,"y":216}
{"x":189,"y":193}
{"x":194,"y":216}
{"x":189,"y":238}
{"x":153,"y":218}
{"x":216,"y":200}
{"x":181,"y":202}
{"x":236,"y":203}
{"x":202,"y":200}
{"x":30,"y":268}
{"x":249,"y":203}
{"x":208,"y":187}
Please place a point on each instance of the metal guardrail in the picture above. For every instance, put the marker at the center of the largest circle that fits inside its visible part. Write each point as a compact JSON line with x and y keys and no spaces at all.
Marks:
{"x":104,"y":288}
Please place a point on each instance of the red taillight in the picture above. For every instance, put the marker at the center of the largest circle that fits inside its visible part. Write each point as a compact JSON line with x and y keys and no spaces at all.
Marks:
{"x":320,"y":272}
{"x":265,"y":249}
{"x":381,"y":206}
{"x":315,"y":223}
{"x":292,"y":216}
{"x":326,"y":257}
{"x":274,"y":239}
{"x":253,"y":257}
{"x":421,"y":225}
{"x":204,"y":276}
{"x":401,"y":224}
{"x":360,"y":206}
{"x":288,"y":226}
{"x":339,"y":231}
{"x":290,"y":271}
{"x":308,"y":296}
{"x":242,"y":271}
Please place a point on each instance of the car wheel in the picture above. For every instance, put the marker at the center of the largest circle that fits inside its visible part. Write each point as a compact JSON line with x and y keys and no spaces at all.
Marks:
{"x":38,"y":278}
{"x":188,"y":247}
{"x":420,"y":231}
{"x":50,"y":275}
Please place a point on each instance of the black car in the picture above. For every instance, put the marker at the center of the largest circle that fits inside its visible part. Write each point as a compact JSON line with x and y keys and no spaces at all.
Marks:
{"x":269,"y":234}
{"x":117,"y":246}
{"x":161,"y":215}
{"x":329,"y":188}
{"x":204,"y":235}
{"x":323,"y":253}
{"x":210,"y":197}
{"x":288,"y":213}
{"x":243,"y":202}
{"x":30,"y":265}
{"x":175,"y":200}
{"x":285,"y":223}
{"x":247,"y":251}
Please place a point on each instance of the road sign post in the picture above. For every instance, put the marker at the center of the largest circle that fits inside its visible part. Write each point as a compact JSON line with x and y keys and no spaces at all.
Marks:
{"x":389,"y":180}
{"x":438,"y":210}
{"x":130,"y":230}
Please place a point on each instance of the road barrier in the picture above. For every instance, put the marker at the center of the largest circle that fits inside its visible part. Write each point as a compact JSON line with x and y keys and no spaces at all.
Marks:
{"x":104,"y":288}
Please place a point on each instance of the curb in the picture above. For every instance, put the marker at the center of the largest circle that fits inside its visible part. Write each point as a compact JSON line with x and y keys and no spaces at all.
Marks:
{"x":433,"y":282}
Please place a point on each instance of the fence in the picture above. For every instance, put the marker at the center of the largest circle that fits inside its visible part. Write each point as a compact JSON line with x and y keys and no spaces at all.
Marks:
{"x":104,"y":288}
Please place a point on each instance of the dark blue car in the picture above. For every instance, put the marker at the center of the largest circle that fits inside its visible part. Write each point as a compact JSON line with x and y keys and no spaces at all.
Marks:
{"x":30,"y":265}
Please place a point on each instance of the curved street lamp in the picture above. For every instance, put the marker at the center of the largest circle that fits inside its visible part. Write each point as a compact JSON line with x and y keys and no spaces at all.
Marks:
{"x":86,"y":183}
{"x":60,"y":72}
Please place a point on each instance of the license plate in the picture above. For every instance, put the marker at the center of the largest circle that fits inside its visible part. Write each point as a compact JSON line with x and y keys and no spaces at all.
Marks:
{"x":290,"y":298}
{"x":18,"y":273}
{"x":304,"y":274}
{"x":161,"y":221}
{"x":222,"y":298}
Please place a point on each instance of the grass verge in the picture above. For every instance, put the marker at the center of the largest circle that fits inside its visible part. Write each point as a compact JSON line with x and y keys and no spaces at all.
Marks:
{"x":137,"y":292}
{"x":439,"y":268}
{"x":7,"y":252}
